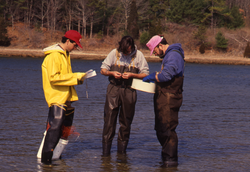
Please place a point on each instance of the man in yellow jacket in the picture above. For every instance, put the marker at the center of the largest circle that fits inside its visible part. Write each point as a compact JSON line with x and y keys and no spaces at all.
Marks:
{"x":59,"y":91}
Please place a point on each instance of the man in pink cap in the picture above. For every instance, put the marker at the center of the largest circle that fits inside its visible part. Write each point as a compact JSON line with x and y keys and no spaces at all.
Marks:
{"x":59,"y":91}
{"x":168,"y":95}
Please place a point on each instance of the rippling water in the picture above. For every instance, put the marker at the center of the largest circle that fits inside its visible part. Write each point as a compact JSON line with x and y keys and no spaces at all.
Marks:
{"x":213,"y":126}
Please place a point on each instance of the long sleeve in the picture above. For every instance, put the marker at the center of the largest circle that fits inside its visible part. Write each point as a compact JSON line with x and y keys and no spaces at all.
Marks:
{"x":173,"y":64}
{"x":59,"y":72}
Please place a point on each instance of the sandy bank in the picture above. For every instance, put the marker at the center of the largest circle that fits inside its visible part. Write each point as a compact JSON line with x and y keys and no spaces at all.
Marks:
{"x":207,"y":58}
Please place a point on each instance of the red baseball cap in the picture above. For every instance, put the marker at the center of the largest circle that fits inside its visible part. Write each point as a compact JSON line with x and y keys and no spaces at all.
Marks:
{"x":74,"y":36}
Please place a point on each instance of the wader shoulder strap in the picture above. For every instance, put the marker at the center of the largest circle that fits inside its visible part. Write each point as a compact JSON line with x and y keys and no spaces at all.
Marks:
{"x":132,"y":60}
{"x":179,"y":53}
{"x":181,"y":56}
{"x":117,"y":58}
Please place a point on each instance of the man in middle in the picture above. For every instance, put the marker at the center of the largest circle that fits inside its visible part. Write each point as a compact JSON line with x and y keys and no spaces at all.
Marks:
{"x":121,"y":65}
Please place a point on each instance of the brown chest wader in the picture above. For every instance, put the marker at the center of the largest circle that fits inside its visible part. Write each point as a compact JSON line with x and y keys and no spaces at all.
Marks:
{"x":60,"y":119}
{"x":167,"y":102}
{"x":120,"y":98}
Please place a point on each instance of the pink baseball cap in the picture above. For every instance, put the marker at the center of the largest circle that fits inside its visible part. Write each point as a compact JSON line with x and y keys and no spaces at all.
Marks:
{"x":153,"y":42}
{"x":74,"y":36}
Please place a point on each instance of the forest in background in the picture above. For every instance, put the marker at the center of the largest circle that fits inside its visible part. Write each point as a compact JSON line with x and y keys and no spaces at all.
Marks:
{"x":209,"y":25}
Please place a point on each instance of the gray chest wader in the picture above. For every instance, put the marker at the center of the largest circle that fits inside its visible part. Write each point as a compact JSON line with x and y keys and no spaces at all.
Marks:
{"x":59,"y":124}
{"x":167,"y":102}
{"x":119,"y":98}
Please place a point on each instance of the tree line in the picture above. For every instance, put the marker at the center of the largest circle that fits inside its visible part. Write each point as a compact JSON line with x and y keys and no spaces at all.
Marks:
{"x":108,"y":17}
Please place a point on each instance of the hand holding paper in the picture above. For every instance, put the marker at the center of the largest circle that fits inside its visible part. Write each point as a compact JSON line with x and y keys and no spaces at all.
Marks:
{"x":82,"y":76}
{"x":90,"y":73}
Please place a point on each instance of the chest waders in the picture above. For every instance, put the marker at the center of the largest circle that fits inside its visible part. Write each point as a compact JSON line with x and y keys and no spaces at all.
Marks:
{"x":167,"y":102}
{"x":120,"y":98}
{"x":59,"y":122}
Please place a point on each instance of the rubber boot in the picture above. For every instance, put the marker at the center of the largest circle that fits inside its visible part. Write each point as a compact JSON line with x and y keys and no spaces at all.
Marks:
{"x":55,"y":121}
{"x":46,"y":157}
{"x":122,"y":146}
{"x":106,"y":147}
{"x":167,"y":161}
{"x":67,"y":123}
{"x":168,"y":164}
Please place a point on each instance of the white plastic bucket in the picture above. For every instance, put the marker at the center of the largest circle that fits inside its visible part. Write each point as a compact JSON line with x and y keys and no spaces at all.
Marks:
{"x":138,"y":84}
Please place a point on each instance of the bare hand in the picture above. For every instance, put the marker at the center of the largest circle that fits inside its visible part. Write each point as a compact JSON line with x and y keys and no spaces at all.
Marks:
{"x":127,"y":75}
{"x":117,"y":75}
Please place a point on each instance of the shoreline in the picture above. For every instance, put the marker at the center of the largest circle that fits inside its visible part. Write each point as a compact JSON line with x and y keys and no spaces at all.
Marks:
{"x":207,"y":58}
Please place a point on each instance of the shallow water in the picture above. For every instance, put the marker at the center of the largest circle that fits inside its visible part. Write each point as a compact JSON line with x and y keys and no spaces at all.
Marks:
{"x":213,"y":125}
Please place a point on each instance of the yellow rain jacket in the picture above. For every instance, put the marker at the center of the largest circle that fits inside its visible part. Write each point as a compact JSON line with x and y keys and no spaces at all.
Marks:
{"x":58,"y":79}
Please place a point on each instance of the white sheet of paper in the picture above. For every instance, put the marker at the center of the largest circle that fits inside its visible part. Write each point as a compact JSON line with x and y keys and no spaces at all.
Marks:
{"x":90,"y":73}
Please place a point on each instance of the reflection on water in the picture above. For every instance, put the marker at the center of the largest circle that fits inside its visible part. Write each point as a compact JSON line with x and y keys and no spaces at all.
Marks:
{"x":213,"y":121}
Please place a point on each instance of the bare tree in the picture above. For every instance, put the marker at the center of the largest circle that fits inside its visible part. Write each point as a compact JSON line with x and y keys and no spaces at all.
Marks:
{"x":29,"y":12}
{"x":126,"y":6}
{"x":81,"y":8}
{"x":55,"y":6}
{"x":69,"y":13}
{"x":14,"y":10}
{"x":43,"y":12}
{"x":141,"y":4}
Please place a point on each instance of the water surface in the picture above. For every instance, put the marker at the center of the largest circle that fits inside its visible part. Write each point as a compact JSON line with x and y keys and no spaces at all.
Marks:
{"x":213,"y":125}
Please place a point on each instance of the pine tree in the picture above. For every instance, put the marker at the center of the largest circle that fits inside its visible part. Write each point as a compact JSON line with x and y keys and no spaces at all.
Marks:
{"x":176,"y":11}
{"x":188,"y":11}
{"x":158,"y":9}
{"x":219,"y":14}
{"x":200,"y":35}
{"x":157,"y":12}
{"x":144,"y":38}
{"x":194,"y":11}
{"x":237,"y":18}
{"x":155,"y":28}
{"x":221,"y":41}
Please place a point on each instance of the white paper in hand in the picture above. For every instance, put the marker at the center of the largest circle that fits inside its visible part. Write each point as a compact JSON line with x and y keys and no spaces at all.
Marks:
{"x":90,"y":73}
